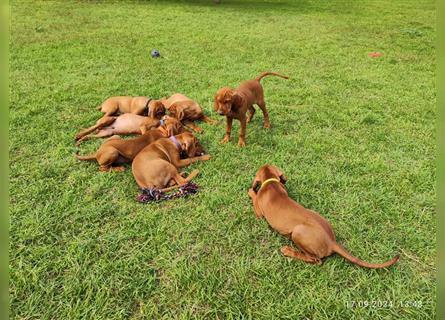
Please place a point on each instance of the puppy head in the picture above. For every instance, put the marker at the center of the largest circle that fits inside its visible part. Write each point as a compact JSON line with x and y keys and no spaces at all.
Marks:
{"x":176,"y":112}
{"x":156,"y":109}
{"x":189,"y":144}
{"x":172,"y":126}
{"x":224,"y":99}
{"x":267,"y":172}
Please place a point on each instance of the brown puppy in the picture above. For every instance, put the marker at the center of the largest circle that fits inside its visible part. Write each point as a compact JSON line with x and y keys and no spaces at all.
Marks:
{"x":234,"y":104}
{"x":310,"y":232}
{"x":119,"y":105}
{"x":156,"y":166}
{"x":185,"y":110}
{"x":116,"y":150}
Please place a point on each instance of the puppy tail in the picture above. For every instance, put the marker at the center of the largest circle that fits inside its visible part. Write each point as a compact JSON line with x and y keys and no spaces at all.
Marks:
{"x":89,"y":157}
{"x":345,"y":254}
{"x":192,"y":175}
{"x":265,"y":74}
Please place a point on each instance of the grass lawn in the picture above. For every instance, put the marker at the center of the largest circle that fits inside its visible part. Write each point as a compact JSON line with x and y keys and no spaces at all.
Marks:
{"x":354,"y":134}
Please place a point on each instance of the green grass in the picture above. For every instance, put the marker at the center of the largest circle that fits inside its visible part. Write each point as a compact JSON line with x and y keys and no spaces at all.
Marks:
{"x":355,"y":136}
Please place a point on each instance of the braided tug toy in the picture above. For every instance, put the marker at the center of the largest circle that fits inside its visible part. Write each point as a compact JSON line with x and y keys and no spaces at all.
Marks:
{"x":153,"y":194}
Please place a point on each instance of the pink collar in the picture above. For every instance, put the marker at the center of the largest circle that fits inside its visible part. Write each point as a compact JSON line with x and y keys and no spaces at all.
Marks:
{"x":176,"y":142}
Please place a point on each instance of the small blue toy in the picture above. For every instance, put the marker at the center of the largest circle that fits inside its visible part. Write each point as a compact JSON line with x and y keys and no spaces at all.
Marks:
{"x":155,"y":53}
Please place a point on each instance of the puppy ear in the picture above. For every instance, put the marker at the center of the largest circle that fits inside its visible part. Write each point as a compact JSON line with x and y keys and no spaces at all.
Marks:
{"x":190,"y":147}
{"x":255,"y":185}
{"x":283,"y":179}
{"x":237,"y":101}
{"x":215,"y":103}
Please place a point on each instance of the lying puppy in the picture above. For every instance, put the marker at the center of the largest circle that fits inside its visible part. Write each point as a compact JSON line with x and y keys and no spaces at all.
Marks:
{"x":234,"y":104}
{"x":117,"y":151}
{"x":118,"y":105}
{"x":185,"y":110}
{"x":156,"y":166}
{"x":309,"y":231}
{"x":127,"y":123}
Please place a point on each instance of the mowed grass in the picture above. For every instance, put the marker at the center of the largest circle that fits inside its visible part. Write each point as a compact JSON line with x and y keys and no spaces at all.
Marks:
{"x":355,"y":135}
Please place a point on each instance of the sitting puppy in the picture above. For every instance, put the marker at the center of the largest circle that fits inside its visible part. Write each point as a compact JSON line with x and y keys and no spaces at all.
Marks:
{"x":116,"y":150}
{"x":156,"y":166}
{"x":234,"y":104}
{"x":124,"y":124}
{"x":308,"y":230}
{"x":185,"y":110}
{"x":118,"y":105}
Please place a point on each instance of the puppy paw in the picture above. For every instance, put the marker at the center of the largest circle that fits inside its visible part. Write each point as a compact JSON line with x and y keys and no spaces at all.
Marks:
{"x":251,"y":193}
{"x":266,"y":125}
{"x":225,"y":139}
{"x":241,"y":143}
{"x":287,"y":251}
{"x":205,"y":157}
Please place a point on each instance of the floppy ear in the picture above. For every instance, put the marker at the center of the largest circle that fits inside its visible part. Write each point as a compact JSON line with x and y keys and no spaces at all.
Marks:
{"x":237,"y":101}
{"x":215,"y":103}
{"x":256,"y":182}
{"x":190,"y":146}
{"x":283,"y":178}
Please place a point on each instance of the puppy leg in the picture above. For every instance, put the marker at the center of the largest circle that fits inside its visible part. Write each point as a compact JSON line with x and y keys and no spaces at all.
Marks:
{"x":116,"y":136}
{"x":101,"y":123}
{"x":100,"y":134}
{"x":292,"y":253}
{"x":110,"y":168}
{"x":228,"y":130}
{"x":177,"y":177}
{"x":106,"y":156}
{"x":180,"y":163}
{"x":262,"y":105}
{"x":208,"y":120}
{"x":242,"y":134}
{"x":190,"y":124}
{"x":251,"y":111}
{"x":309,"y":241}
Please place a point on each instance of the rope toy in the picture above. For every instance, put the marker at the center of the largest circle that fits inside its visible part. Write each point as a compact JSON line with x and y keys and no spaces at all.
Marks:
{"x":153,"y":194}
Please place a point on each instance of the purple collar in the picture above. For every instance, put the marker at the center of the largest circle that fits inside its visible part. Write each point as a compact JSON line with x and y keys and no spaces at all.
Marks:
{"x":176,"y":142}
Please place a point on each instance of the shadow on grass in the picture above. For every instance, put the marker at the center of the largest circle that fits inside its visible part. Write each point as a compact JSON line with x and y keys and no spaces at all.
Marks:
{"x":297,"y":6}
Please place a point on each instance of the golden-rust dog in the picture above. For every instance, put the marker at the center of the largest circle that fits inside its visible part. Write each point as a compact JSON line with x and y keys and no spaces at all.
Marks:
{"x":307,"y":229}
{"x":156,"y":166}
{"x":124,"y":104}
{"x":235,"y":103}
{"x":185,"y":110}
{"x":117,"y":151}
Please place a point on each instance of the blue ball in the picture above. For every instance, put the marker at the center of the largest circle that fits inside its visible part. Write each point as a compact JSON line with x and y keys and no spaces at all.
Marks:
{"x":155,"y":54}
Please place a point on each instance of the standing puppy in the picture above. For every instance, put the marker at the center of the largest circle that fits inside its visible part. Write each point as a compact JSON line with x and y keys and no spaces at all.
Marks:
{"x":308,"y":230}
{"x":234,"y":103}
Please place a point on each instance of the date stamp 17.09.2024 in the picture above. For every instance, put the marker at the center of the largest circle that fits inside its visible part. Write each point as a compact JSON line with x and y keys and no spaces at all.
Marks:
{"x":382,"y":304}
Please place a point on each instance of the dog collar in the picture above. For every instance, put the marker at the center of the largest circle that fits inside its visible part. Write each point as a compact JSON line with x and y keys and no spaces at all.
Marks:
{"x":176,"y":142}
{"x":162,"y":122}
{"x":266,"y":182}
